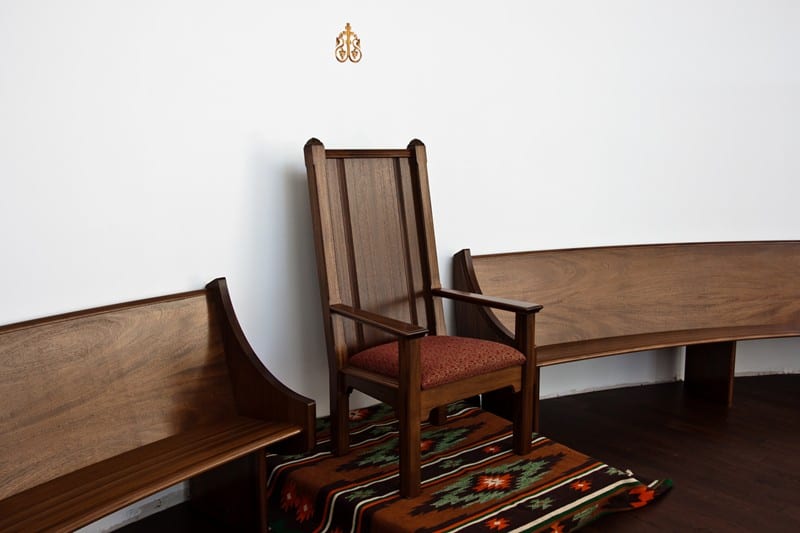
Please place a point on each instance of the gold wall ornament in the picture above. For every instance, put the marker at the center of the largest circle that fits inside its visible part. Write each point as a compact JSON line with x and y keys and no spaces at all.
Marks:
{"x":348,"y":46}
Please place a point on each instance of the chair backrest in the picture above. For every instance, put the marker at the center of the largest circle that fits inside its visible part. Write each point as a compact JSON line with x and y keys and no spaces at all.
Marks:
{"x":85,"y":386}
{"x":373,"y":232}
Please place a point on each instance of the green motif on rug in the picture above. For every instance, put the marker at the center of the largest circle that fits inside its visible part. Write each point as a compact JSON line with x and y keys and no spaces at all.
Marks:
{"x":492,"y":483}
{"x":611,"y":471}
{"x":432,"y":442}
{"x":361,"y":494}
{"x":585,"y":516}
{"x":542,"y":504}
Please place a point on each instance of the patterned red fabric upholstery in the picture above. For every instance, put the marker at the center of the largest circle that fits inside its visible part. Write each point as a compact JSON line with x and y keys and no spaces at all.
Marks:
{"x":442,"y":359}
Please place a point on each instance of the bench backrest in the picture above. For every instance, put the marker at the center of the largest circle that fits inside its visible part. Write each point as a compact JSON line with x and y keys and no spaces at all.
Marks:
{"x":596,"y":293}
{"x":82,"y":387}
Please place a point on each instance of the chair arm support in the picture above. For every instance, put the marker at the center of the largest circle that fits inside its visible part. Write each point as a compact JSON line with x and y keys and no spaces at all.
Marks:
{"x":504,"y":304}
{"x":390,"y":325}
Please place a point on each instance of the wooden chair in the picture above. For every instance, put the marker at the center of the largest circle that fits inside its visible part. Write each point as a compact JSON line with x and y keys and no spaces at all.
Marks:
{"x":381,"y":298}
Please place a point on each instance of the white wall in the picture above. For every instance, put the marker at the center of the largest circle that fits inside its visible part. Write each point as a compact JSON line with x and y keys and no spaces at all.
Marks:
{"x":147,"y":147}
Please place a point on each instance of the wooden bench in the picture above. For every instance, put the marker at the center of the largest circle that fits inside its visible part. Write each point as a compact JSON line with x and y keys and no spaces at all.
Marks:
{"x":103,"y":407}
{"x":619,"y":299}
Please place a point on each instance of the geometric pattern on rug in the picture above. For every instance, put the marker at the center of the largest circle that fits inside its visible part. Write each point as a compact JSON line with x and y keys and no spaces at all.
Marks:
{"x":471,"y":481}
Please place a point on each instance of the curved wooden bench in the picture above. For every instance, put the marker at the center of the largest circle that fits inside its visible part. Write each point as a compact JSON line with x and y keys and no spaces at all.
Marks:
{"x":106,"y":406}
{"x":619,"y":299}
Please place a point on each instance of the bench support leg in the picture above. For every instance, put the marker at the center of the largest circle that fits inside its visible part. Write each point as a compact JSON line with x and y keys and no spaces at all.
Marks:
{"x":709,"y":370}
{"x":263,"y":504}
{"x":230,"y":494}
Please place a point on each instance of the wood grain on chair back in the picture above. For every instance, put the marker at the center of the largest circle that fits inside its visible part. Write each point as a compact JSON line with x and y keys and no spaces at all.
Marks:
{"x":82,"y":387}
{"x":372,"y":218}
{"x":595,"y":293}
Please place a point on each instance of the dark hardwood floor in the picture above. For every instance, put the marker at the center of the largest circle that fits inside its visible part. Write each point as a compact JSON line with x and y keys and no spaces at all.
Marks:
{"x":734,"y":469}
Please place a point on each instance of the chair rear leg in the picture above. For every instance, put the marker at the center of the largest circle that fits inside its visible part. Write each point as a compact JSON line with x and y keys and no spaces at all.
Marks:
{"x":340,"y":417}
{"x":438,"y":415}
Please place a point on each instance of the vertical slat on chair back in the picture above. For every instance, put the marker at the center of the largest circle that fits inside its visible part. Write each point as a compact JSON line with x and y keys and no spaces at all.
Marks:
{"x":80,"y":388}
{"x":374,"y":234}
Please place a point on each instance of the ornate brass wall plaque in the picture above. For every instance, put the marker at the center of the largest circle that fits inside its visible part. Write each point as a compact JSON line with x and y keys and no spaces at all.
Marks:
{"x":348,"y":46}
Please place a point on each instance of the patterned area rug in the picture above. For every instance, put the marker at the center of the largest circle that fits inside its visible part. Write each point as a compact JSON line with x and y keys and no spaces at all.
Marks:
{"x":472,"y":481}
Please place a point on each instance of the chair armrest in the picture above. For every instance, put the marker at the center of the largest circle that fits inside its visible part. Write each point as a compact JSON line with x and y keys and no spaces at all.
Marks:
{"x":390,"y":325}
{"x":504,"y":304}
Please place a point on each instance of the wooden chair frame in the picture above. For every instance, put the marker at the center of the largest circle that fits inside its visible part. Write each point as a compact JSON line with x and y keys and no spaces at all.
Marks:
{"x":334,"y":199}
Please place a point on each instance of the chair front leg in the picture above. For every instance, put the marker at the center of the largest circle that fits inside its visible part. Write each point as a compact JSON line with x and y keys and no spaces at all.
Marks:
{"x":409,"y":417}
{"x":526,"y":412}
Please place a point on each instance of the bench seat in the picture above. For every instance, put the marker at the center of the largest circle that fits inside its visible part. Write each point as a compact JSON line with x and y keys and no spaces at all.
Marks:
{"x":554,"y":354}
{"x":61,"y":504}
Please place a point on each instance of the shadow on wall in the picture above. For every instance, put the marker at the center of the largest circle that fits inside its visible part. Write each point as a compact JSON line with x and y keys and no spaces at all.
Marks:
{"x":308,"y":316}
{"x":280,"y":308}
{"x":280,"y":295}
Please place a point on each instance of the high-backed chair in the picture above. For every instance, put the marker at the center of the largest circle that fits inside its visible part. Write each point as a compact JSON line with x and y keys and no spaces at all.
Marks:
{"x":382,"y":308}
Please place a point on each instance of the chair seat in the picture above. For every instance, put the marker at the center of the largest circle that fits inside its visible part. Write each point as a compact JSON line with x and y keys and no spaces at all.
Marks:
{"x":443,"y":359}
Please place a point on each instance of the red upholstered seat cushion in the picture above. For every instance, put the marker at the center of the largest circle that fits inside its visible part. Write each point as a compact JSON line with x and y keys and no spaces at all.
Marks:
{"x":443,"y":359}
